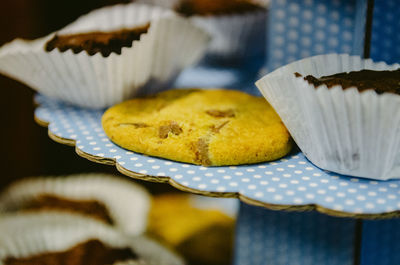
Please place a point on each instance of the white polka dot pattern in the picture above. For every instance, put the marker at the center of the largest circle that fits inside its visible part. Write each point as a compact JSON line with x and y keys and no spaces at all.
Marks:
{"x":302,"y":28}
{"x":385,"y":40}
{"x":302,"y":238}
{"x":289,"y":181}
{"x":295,"y":238}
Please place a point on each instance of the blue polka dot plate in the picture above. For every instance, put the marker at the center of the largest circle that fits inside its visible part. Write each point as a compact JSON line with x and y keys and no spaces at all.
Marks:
{"x":289,"y":183}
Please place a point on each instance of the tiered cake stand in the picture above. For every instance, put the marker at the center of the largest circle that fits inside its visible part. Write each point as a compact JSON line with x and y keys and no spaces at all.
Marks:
{"x":291,"y":211}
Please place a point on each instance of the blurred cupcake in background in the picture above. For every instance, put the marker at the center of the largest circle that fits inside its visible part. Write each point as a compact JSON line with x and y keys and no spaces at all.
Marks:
{"x":60,"y":238}
{"x":105,"y":198}
{"x":107,"y":56}
{"x":237,"y":27}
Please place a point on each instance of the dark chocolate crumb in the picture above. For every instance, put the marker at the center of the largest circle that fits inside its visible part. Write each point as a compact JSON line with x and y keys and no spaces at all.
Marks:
{"x":297,"y":74}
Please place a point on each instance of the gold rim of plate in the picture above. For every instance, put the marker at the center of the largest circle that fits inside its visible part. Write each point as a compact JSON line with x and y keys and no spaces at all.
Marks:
{"x":247,"y":200}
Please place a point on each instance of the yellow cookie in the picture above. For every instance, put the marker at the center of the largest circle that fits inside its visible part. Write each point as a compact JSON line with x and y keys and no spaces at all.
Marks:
{"x":206,"y":127}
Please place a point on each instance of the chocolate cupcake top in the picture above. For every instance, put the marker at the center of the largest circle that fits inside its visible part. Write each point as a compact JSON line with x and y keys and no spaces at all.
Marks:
{"x":94,"y":42}
{"x":380,"y":81}
{"x":215,"y":7}
{"x":90,"y":252}
{"x":90,"y":208}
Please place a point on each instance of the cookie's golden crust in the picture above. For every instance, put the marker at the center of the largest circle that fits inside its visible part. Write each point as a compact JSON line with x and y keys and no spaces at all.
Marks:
{"x":207,"y":127}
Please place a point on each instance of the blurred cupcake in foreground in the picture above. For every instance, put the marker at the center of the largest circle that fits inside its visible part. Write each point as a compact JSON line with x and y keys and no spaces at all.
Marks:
{"x":201,"y":236}
{"x":107,"y":56}
{"x":106,"y":198}
{"x":342,"y":111}
{"x":56,"y":238}
{"x":237,"y":27}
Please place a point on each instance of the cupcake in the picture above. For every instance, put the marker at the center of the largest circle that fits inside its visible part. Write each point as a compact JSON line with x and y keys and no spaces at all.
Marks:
{"x":56,"y":238}
{"x":92,"y":251}
{"x":237,"y":27}
{"x":50,"y":202}
{"x":342,"y":111}
{"x":97,"y":42}
{"x":106,"y":56}
{"x":106,"y":198}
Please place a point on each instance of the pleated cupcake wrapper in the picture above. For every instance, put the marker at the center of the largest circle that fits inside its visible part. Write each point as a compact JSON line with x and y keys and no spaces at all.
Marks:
{"x":27,"y":234}
{"x":127,"y":203}
{"x":234,"y":36}
{"x":150,"y":65}
{"x":343,"y":131}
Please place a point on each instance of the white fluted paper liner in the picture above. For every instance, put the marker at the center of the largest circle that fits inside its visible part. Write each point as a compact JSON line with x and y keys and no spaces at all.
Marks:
{"x":27,"y":234}
{"x":127,"y":203}
{"x":343,"y":131}
{"x":150,"y":65}
{"x":234,"y":36}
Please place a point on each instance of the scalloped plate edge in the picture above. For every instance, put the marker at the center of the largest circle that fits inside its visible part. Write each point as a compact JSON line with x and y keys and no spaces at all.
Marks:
{"x":245,"y":199}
